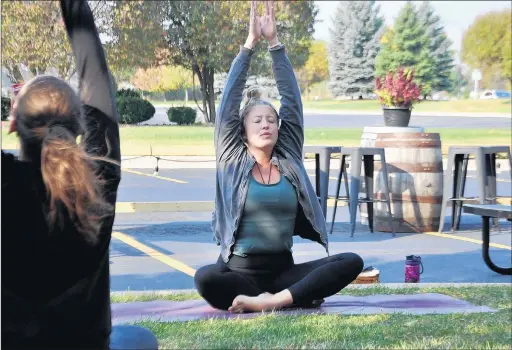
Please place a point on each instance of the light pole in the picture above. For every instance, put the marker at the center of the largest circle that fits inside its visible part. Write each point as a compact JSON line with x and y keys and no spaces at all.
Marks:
{"x":476,"y":76}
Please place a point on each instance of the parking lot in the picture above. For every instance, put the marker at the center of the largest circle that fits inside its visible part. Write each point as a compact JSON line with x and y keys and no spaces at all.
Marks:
{"x":162,"y":249}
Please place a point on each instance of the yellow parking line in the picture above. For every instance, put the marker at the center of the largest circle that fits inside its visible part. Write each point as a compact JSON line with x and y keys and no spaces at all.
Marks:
{"x":467,"y":239}
{"x":156,"y":177}
{"x":175,"y":264}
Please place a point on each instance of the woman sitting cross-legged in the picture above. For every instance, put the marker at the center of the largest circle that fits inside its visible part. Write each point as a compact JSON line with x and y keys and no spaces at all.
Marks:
{"x":264,"y":196}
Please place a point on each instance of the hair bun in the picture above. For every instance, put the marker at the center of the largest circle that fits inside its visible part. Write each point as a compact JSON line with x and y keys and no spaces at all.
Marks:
{"x":254,"y":92}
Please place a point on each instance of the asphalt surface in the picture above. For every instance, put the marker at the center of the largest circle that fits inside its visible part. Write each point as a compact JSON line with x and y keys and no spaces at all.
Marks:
{"x":200,"y":185}
{"x":343,"y":120}
{"x":187,"y":238}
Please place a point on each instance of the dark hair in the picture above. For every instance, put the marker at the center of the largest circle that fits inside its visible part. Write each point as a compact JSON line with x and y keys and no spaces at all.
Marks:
{"x":48,"y":121}
{"x":253,"y":96}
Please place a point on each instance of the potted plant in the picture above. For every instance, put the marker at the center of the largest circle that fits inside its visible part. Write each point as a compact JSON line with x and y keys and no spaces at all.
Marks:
{"x":397,"y":93}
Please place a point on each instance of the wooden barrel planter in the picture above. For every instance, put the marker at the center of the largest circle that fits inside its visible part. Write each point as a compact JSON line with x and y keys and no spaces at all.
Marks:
{"x":415,"y":176}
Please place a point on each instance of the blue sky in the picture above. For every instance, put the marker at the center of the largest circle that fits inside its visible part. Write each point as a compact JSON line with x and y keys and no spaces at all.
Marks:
{"x":456,"y":16}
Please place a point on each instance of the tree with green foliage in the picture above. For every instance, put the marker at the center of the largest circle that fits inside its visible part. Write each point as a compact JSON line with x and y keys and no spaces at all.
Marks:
{"x":204,"y":37}
{"x":33,"y":35}
{"x":355,"y":38}
{"x":507,"y":56}
{"x":459,"y":81}
{"x":26,"y":29}
{"x":201,"y":36}
{"x":439,"y":46}
{"x":486,"y":45}
{"x":409,"y":47}
{"x":135,"y":35}
{"x":316,"y":68}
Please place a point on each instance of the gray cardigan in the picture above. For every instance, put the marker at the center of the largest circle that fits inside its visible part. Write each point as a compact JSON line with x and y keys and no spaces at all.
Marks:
{"x":234,"y":162}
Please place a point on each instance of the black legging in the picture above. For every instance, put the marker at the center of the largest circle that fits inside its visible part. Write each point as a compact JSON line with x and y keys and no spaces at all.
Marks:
{"x":220,"y":283}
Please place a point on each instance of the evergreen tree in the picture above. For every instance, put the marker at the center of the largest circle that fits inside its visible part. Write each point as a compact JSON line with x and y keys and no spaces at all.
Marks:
{"x":459,"y":80}
{"x":354,"y":44}
{"x":409,"y":48}
{"x":439,"y":46}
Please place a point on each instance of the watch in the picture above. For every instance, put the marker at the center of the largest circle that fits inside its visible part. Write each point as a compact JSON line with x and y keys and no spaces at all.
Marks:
{"x":277,"y":46}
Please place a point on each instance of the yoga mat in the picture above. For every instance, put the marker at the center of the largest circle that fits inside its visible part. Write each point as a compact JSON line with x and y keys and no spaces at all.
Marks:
{"x":190,"y":310}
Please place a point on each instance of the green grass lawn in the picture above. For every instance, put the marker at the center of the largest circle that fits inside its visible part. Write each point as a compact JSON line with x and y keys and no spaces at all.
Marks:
{"x":381,"y":331}
{"x":198,"y":140}
{"x":471,"y":106}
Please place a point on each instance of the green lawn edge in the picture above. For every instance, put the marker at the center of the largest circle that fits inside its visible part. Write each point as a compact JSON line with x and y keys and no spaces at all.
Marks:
{"x":477,"y":295}
{"x":198,"y":140}
{"x":378,"y":331}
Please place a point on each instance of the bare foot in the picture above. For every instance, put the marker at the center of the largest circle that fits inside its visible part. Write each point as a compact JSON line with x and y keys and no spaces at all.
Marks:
{"x":262,"y":302}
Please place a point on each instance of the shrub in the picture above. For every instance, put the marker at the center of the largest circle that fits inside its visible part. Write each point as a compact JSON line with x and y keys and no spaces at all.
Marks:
{"x":399,"y":91}
{"x":6,"y":107}
{"x":128,"y":93}
{"x":182,"y":115}
{"x":133,"y":110}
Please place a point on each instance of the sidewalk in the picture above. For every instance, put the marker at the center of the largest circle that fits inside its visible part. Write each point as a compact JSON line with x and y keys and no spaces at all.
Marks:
{"x":378,"y":112}
{"x":414,"y":113}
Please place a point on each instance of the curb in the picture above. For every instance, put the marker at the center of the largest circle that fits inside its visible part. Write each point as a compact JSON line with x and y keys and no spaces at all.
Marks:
{"x":208,"y":206}
{"x":350,"y":286}
{"x":179,"y":206}
{"x":153,"y":207}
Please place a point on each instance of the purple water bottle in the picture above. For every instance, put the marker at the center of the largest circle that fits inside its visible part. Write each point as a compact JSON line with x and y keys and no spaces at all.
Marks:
{"x":412,"y":268}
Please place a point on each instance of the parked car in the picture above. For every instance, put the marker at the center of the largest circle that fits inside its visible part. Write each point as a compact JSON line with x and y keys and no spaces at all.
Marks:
{"x":495,"y":94}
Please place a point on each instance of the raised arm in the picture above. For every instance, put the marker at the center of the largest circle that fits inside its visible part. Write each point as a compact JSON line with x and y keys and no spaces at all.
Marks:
{"x":97,"y":90}
{"x":227,"y":137}
{"x":291,"y":132}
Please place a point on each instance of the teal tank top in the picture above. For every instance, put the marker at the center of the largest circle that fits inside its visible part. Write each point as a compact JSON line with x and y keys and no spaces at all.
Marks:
{"x":268,"y":218}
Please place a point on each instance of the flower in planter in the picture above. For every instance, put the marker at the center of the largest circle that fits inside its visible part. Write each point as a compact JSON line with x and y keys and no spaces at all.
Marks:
{"x":398,"y":89}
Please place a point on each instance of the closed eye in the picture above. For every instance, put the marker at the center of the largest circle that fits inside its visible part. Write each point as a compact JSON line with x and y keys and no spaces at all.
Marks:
{"x":258,"y":118}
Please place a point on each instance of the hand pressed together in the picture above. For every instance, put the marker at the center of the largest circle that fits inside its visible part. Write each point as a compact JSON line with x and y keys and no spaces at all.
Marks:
{"x":262,"y":26}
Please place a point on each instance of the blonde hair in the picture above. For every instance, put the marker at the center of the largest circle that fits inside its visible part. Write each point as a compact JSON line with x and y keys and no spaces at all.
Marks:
{"x":48,"y":121}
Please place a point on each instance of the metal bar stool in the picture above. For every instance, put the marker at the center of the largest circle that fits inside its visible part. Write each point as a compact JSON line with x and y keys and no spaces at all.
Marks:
{"x":455,"y":179}
{"x":357,"y":156}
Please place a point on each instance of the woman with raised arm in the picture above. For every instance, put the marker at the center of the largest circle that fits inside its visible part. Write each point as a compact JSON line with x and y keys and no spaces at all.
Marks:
{"x":264,"y":196}
{"x":58,"y":204}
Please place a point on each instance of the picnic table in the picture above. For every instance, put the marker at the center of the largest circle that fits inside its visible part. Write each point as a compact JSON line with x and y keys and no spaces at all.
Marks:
{"x":487,"y":211}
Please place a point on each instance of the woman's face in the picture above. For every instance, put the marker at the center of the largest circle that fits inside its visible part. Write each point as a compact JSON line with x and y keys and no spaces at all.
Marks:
{"x":261,"y":127}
